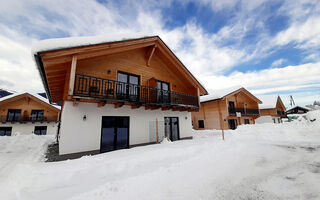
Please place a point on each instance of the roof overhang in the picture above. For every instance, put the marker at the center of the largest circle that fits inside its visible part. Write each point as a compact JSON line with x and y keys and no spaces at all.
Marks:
{"x":62,"y":56}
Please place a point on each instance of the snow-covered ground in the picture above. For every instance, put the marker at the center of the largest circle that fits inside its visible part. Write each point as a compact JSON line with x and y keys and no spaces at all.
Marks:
{"x":263,"y":161}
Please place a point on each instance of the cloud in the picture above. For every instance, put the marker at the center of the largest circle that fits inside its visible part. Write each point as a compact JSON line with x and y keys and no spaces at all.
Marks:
{"x":278,"y":62}
{"x":208,"y":55}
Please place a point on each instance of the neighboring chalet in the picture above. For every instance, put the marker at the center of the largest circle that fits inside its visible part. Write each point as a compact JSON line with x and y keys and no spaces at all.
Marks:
{"x":24,"y":113}
{"x":226,"y":109}
{"x":272,"y":109}
{"x":297,"y":110}
{"x":117,"y":94}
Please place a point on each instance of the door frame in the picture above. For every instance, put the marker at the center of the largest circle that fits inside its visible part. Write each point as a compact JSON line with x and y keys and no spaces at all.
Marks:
{"x":171,"y":127}
{"x":128,"y":141}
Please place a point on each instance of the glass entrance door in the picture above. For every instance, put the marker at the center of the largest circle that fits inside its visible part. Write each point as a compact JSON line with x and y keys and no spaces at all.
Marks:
{"x":114,"y":133}
{"x":171,"y":128}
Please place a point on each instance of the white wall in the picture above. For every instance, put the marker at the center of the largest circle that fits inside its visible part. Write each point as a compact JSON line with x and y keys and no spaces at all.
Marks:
{"x":28,"y":128}
{"x":77,"y":135}
{"x":267,"y":119}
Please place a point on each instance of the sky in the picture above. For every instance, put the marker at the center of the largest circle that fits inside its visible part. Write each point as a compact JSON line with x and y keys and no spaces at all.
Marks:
{"x":266,"y":46}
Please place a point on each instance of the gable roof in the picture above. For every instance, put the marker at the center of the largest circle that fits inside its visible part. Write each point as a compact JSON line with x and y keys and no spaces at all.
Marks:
{"x":36,"y":96}
{"x":301,"y":107}
{"x":268,"y":101}
{"x":220,"y":94}
{"x":85,"y":47}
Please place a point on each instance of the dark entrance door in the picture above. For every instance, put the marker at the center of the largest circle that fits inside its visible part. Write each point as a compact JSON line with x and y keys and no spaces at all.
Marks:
{"x":171,"y":128}
{"x":114,"y":133}
{"x":5,"y":131}
{"x":232,"y":124}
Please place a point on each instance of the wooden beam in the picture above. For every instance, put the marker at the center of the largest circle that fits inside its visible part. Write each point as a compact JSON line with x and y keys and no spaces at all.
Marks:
{"x":102,"y":103}
{"x":76,"y":101}
{"x":150,"y":53}
{"x":135,"y":106}
{"x":72,"y":75}
{"x":165,"y":108}
{"x":118,"y":104}
{"x":221,"y":120}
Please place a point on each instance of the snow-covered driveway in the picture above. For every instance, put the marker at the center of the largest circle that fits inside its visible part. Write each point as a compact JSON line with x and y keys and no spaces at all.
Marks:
{"x":266,"y":161}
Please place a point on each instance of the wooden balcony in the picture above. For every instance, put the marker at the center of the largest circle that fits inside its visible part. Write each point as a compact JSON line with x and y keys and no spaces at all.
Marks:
{"x":243,"y":111}
{"x":24,"y":119}
{"x":115,"y":91}
{"x":281,"y":114}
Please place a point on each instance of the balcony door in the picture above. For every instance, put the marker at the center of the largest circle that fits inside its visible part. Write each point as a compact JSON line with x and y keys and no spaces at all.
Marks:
{"x":14,"y":115}
{"x":163,"y":94}
{"x":171,"y":128}
{"x":37,"y":115}
{"x":114,"y":133}
{"x":128,"y":86}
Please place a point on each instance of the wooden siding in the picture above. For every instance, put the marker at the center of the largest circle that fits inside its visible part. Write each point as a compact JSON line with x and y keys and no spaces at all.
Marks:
{"x":133,"y":62}
{"x":209,"y":111}
{"x":27,"y":104}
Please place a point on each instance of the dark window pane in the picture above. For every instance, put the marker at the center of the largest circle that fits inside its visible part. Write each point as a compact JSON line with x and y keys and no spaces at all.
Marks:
{"x":40,"y":130}
{"x":201,"y":124}
{"x":122,"y":138}
{"x":123,"y":77}
{"x":133,"y":80}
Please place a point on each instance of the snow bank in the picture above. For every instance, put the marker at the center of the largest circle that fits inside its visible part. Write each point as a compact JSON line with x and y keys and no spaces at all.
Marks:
{"x":263,"y":161}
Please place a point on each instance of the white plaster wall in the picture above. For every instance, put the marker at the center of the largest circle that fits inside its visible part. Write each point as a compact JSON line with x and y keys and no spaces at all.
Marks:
{"x":267,"y":119}
{"x":28,"y":128}
{"x":77,"y":135}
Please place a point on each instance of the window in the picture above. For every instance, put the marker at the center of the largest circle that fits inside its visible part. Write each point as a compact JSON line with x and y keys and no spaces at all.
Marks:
{"x":128,"y":86}
{"x":246,"y":121}
{"x":274,"y":120}
{"x":5,"y":131}
{"x":13,"y":115}
{"x":163,"y":92}
{"x":200,"y":123}
{"x":279,"y":120}
{"x":40,"y":130}
{"x":37,"y":115}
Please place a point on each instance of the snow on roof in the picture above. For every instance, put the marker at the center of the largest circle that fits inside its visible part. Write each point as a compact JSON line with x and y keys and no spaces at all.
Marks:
{"x":218,"y":94}
{"x":268,"y":101}
{"x":69,"y":42}
{"x":32,"y":94}
{"x":300,"y":107}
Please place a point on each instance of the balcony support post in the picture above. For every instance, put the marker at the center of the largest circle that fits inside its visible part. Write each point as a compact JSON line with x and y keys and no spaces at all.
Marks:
{"x":72,"y":75}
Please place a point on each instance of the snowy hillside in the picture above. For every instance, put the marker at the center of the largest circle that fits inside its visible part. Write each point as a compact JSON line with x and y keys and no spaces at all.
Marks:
{"x":265,"y":161}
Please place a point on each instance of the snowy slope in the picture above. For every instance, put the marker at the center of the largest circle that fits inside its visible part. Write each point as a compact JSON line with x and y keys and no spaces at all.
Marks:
{"x":264,"y":161}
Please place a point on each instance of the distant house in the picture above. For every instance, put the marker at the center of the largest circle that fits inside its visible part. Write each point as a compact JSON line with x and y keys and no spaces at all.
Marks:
{"x":297,"y":110}
{"x":117,"y":93}
{"x":226,"y":109}
{"x":272,"y":109}
{"x":25,"y":113}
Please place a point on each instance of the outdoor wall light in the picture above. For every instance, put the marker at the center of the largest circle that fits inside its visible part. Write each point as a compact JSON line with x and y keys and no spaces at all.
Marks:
{"x":84,"y":117}
{"x":109,"y":71}
{"x":186,"y":117}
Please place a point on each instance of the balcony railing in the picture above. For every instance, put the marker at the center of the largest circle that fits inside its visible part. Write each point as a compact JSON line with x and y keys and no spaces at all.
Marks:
{"x":22,"y":119}
{"x":281,"y":113}
{"x":243,"y":111}
{"x":104,"y":89}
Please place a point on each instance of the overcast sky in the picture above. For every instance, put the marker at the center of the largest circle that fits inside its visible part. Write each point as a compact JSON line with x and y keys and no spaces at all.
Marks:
{"x":267,"y":46}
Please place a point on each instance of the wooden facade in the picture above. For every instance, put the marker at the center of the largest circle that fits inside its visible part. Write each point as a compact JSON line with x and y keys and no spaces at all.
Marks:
{"x":27,"y":103}
{"x":216,"y":113}
{"x":65,"y":72}
{"x":277,"y":111}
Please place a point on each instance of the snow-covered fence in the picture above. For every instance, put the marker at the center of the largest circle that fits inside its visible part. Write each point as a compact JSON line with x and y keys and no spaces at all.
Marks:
{"x":153,"y":131}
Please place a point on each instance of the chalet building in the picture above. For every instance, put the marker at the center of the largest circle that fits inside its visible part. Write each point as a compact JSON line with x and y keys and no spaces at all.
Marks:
{"x":272,"y":109}
{"x":226,"y":109}
{"x":117,"y":94}
{"x":297,"y":110}
{"x":24,"y":113}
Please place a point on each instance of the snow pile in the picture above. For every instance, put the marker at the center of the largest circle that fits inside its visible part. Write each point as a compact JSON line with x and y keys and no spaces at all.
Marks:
{"x":263,"y":161}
